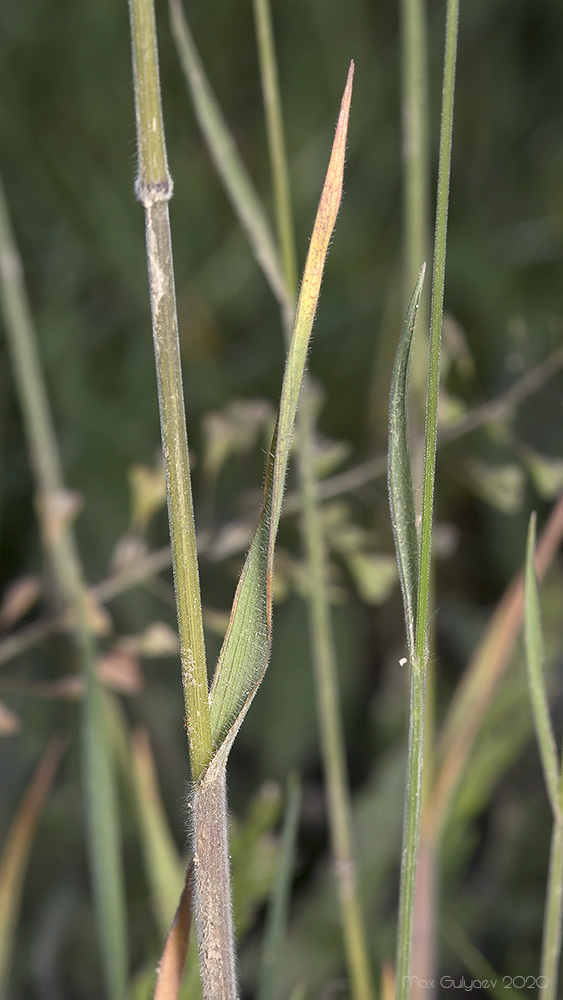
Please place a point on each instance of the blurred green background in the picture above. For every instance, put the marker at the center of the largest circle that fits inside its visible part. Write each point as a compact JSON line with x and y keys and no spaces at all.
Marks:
{"x":67,"y":158}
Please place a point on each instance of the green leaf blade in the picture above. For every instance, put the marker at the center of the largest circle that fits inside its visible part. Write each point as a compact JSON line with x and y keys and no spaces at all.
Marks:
{"x":399,"y":474}
{"x":225,"y":155}
{"x":533,"y":641}
{"x":244,"y":656}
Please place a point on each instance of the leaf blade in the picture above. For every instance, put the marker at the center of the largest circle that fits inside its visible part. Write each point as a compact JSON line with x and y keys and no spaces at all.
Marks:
{"x":399,"y":474}
{"x":245,"y":652}
{"x":533,"y":641}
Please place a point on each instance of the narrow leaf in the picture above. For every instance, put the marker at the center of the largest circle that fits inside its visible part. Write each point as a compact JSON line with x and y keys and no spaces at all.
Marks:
{"x":16,"y":850}
{"x":276,"y":919}
{"x":226,"y":157}
{"x":171,"y":966}
{"x":399,"y":474}
{"x":244,"y":655}
{"x":164,"y":871}
{"x":534,"y":662}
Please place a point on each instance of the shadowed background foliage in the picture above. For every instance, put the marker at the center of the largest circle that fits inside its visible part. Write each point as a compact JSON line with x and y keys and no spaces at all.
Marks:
{"x":67,"y":160}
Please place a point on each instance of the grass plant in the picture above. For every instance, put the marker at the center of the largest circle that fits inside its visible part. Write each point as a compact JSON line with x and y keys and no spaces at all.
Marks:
{"x":551,"y":949}
{"x":252,"y":217}
{"x":213,"y":719}
{"x":55,"y":511}
{"x":338,"y":932}
{"x":415,"y":572}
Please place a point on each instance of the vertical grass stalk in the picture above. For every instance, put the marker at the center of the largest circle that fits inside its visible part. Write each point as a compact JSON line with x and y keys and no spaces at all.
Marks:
{"x":59,"y":542}
{"x":154,"y":190}
{"x":276,"y":917}
{"x":322,"y":642}
{"x":415,"y":139}
{"x":411,"y":830}
{"x":553,"y":772}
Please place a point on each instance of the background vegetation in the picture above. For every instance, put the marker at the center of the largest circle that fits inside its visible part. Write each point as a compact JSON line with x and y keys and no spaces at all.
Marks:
{"x":67,"y":160}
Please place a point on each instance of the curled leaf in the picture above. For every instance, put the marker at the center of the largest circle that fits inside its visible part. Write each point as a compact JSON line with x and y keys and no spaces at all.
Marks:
{"x":245,"y":652}
{"x":399,"y":474}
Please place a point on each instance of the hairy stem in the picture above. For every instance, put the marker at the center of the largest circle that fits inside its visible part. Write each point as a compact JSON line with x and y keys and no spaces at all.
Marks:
{"x":154,"y":190}
{"x":213,"y":909}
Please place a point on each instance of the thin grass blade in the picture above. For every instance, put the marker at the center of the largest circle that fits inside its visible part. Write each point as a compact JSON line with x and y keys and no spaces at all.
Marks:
{"x":163,"y":867}
{"x":225,"y":155}
{"x":276,"y":918}
{"x":171,"y":966}
{"x":60,"y":544}
{"x":16,"y":850}
{"x":244,"y":655}
{"x":481,"y":680}
{"x":399,"y":473}
{"x":533,"y":636}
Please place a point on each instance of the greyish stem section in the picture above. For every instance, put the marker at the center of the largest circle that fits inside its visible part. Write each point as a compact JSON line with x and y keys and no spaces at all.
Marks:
{"x":212,"y":883}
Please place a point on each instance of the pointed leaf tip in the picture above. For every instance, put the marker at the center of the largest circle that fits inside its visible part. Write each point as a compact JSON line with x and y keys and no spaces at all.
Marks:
{"x":244,"y":655}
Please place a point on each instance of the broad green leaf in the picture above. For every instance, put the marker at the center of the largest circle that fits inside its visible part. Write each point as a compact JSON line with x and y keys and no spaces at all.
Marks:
{"x":399,"y":474}
{"x":533,"y":636}
{"x":225,"y":155}
{"x":244,"y":655}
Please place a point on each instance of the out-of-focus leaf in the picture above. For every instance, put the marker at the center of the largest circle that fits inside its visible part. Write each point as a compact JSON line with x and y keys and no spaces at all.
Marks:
{"x":533,"y":636}
{"x":158,"y":639}
{"x":120,"y":671}
{"x":162,"y":863}
{"x":387,"y":981}
{"x":254,"y":854}
{"x":476,"y":692}
{"x":9,"y":721}
{"x":276,"y":921}
{"x":225,"y":156}
{"x":16,"y":850}
{"x":374,"y":574}
{"x":546,"y":473}
{"x":148,"y":494}
{"x":18,"y":599}
{"x":234,"y":430}
{"x":245,"y":652}
{"x":500,"y":485}
{"x":450,"y":410}
{"x":171,"y":965}
{"x":399,"y":474}
{"x":99,"y":619}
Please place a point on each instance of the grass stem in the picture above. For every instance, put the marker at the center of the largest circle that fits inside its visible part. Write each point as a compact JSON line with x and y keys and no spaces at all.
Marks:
{"x":154,"y":190}
{"x":413,"y":798}
{"x":322,"y":641}
{"x":58,"y":538}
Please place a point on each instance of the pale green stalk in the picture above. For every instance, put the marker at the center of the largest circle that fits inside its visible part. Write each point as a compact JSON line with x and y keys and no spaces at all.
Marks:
{"x":553,"y":772}
{"x":58,"y":539}
{"x":276,"y":143}
{"x":225,"y":156}
{"x":415,"y":140}
{"x":328,"y":702}
{"x":154,"y":190}
{"x":536,"y":682}
{"x":411,"y":830}
{"x":322,"y":642}
{"x":276,"y":918}
{"x":551,"y":944}
{"x":245,"y":651}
